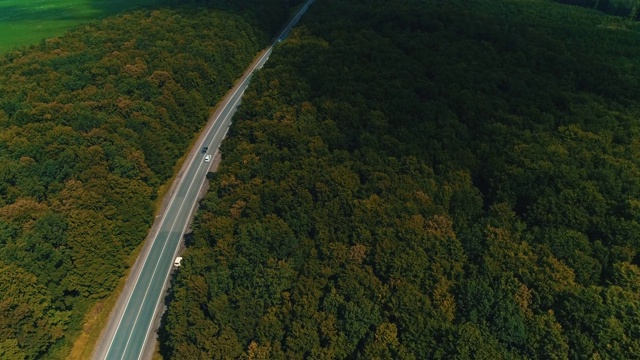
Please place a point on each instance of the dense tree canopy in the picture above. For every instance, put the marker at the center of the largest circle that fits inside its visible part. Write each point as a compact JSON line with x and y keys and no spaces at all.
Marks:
{"x":91,"y":125}
{"x":266,"y":15}
{"x":408,"y":180}
{"x":626,"y":8}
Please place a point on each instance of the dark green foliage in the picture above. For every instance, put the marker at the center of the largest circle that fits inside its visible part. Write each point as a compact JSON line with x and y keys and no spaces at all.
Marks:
{"x":267,"y":15}
{"x":404,"y":180}
{"x":626,"y":8}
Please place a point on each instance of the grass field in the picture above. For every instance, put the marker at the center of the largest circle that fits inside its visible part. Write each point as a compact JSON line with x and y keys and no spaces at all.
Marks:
{"x":25,"y":22}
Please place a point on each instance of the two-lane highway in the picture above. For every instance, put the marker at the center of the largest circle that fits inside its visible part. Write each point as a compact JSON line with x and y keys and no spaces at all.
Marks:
{"x":132,"y":322}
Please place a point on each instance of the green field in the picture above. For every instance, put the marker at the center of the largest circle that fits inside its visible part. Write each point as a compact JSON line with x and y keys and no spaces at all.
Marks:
{"x":28,"y":22}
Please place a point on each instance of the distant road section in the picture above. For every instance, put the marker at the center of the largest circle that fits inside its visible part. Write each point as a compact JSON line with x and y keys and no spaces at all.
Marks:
{"x":132,"y":326}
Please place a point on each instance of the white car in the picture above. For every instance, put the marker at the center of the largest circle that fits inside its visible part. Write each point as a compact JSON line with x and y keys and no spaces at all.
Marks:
{"x":207,"y":158}
{"x":177,"y":262}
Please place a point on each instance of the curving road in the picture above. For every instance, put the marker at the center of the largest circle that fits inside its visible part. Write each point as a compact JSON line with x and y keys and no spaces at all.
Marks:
{"x":131,"y":328}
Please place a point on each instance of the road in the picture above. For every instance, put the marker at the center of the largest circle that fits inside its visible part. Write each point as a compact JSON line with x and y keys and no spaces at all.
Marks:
{"x":132,"y":326}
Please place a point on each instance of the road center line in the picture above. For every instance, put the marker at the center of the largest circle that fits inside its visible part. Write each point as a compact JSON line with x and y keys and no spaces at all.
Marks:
{"x":177,"y":247}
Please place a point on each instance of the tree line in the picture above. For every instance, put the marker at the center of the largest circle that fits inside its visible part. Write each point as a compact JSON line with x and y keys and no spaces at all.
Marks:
{"x":410,"y":180}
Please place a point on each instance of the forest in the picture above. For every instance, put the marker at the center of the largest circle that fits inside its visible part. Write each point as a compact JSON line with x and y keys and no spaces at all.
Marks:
{"x":425,"y":180}
{"x":625,"y":8}
{"x":92,"y":125}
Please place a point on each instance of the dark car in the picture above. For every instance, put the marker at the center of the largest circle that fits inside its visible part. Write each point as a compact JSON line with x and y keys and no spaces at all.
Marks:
{"x":204,"y":149}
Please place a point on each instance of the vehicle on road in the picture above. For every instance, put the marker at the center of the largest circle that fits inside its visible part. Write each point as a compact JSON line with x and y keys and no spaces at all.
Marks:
{"x":204,"y":149}
{"x":177,"y":262}
{"x":207,"y":158}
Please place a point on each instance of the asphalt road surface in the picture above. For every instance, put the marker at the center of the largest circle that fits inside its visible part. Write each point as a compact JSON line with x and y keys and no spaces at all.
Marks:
{"x":132,"y":325}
